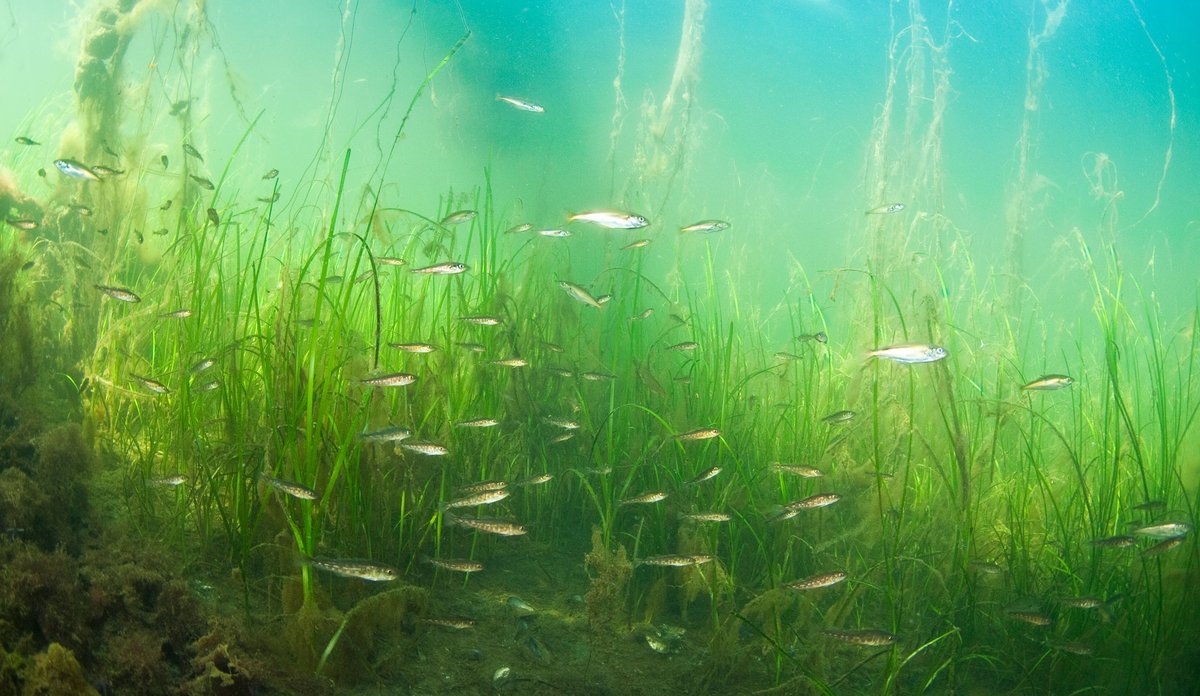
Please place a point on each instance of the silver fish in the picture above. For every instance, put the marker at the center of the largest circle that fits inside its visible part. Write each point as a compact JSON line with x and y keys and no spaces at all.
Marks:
{"x":707,"y":226}
{"x":413,"y":347}
{"x":705,"y":475}
{"x":481,"y":498}
{"x":429,"y":449}
{"x":578,"y":294}
{"x":458,"y":217}
{"x":1048,"y":383}
{"x":393,"y":434}
{"x":76,"y":170}
{"x":119,"y":293}
{"x":1164,"y":531}
{"x":481,"y":320}
{"x":886,"y":209}
{"x":447,"y":268}
{"x":293,"y":489}
{"x":868,"y":637}
{"x":363,"y":570}
{"x":522,"y":104}
{"x":706,"y":516}
{"x":149,"y":384}
{"x":478,"y":423}
{"x":635,"y":245}
{"x":394,"y":379}
{"x":645,"y":498}
{"x":700,"y":434}
{"x":458,"y":565}
{"x":612,"y":219}
{"x":909,"y":353}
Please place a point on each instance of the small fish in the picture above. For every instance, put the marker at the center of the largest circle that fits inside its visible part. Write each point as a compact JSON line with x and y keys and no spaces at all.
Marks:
{"x":166,"y":162}
{"x":478,"y":423}
{"x":482,"y":498}
{"x":812,"y":502}
{"x":413,"y":347}
{"x":1121,"y":541}
{"x":685,"y":346}
{"x":41,"y":172}
{"x":1081,"y":602}
{"x":270,"y":175}
{"x":519,"y":607}
{"x":705,"y":475}
{"x":707,"y":226}
{"x":202,"y":182}
{"x":363,"y":570}
{"x":490,"y":525}
{"x":293,"y":489}
{"x":635,"y":245}
{"x":180,"y":106}
{"x":706,"y":516}
{"x":429,"y":449}
{"x":645,"y":498}
{"x":76,"y":170}
{"x":140,"y":238}
{"x":83,"y":210}
{"x":213,"y":217}
{"x":535,"y":480}
{"x":1168,"y":530}
{"x":447,"y":268}
{"x":612,"y":219}
{"x":867,"y":637}
{"x":24,"y":140}
{"x":839,"y":417}
{"x":555,"y":233}
{"x":193,"y":152}
{"x":165,"y":206}
{"x":909,"y":353}
{"x":1033,"y":618}
{"x":160,"y":232}
{"x":817,"y":581}
{"x":509,"y":362}
{"x":472,"y":347}
{"x":457,"y":623}
{"x":392,"y":261}
{"x":596,"y":376}
{"x":986,"y":568}
{"x":578,"y":294}
{"x":519,"y":229}
{"x":644,"y":314}
{"x":1049,"y":383}
{"x":552,"y":347}
{"x":797,"y":470}
{"x":392,"y":434}
{"x":783,"y":356}
{"x":202,"y":366}
{"x":268,"y":199}
{"x":521,"y":104}
{"x":1150,"y":505}
{"x":698,"y":434}
{"x":561,"y":438}
{"x":481,"y":320}
{"x":394,"y":379}
{"x":211,"y":385}
{"x":455,"y":564}
{"x":458,"y":217}
{"x":103,"y":171}
{"x":22,"y":223}
{"x":819,"y":337}
{"x":1163,"y":546}
{"x":1073,"y":647}
{"x":560,"y":372}
{"x":119,"y":293}
{"x":564,"y":423}
{"x":676,"y":560}
{"x":149,"y":384}
{"x":171,"y":481}
{"x":886,"y":209}
{"x":482,"y":486}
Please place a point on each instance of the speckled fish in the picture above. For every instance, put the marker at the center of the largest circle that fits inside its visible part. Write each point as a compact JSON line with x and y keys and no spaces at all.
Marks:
{"x":211,"y":385}
{"x":1081,"y":602}
{"x":457,"y":623}
{"x":645,"y":498}
{"x":797,"y":470}
{"x":1073,"y":647}
{"x":477,"y":423}
{"x":472,"y":347}
{"x":1121,"y":541}
{"x":839,"y":417}
{"x":270,"y":174}
{"x":363,"y":570}
{"x":76,"y":170}
{"x":819,"y":337}
{"x":509,"y":362}
{"x":635,"y":245}
{"x":866,"y":637}
{"x":481,"y":320}
{"x":391,"y":261}
{"x":676,"y":560}
{"x":644,"y":314}
{"x":886,"y":209}
{"x":521,"y":104}
{"x":812,"y":502}
{"x":561,"y":438}
{"x":118,"y":293}
{"x":482,"y":498}
{"x":1033,"y":618}
{"x":1163,"y":546}
{"x":519,"y":229}
{"x":291,"y":488}
{"x":203,"y":183}
{"x":192,"y":152}
{"x":394,"y":379}
{"x":555,"y":233}
{"x":429,"y":449}
{"x":817,"y":581}
{"x":171,"y":481}
{"x":578,"y":294}
{"x":392,"y":434}
{"x":458,"y":217}
{"x":149,"y":384}
{"x":706,"y":226}
{"x":564,"y":423}
{"x":706,"y":516}
{"x":698,"y":434}
{"x":480,"y":487}
{"x":1164,"y":531}
{"x":704,"y":475}
{"x":909,"y":353}
{"x":446,"y":268}
{"x":535,"y":480}
{"x":22,"y":223}
{"x":201,"y":366}
{"x":684,"y":346}
{"x":490,"y":525}
{"x":413,"y":347}
{"x":595,"y":376}
{"x":612,"y":219}
{"x":1049,"y":383}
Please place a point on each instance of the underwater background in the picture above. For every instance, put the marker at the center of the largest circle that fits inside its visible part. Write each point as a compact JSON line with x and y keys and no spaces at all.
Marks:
{"x":784,"y":347}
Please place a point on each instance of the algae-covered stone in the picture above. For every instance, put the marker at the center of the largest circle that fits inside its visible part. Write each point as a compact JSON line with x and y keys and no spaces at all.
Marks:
{"x":56,"y":672}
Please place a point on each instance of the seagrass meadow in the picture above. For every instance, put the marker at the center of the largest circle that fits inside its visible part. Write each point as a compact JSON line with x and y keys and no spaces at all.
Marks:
{"x":599,"y":347}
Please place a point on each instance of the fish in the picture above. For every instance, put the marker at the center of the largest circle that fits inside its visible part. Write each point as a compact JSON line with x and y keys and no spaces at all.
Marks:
{"x":595,"y":376}
{"x":519,"y":229}
{"x":1073,"y":647}
{"x":392,"y":434}
{"x":552,"y":347}
{"x":119,"y":293}
{"x":705,"y":475}
{"x":477,"y":499}
{"x":83,"y":210}
{"x":535,"y":480}
{"x":26,"y":140}
{"x":1150,"y":505}
{"x":455,"y":564}
{"x":555,"y":233}
{"x":490,"y":525}
{"x":578,"y":294}
{"x":1081,"y":602}
{"x":481,"y":320}
{"x":393,"y":261}
{"x":211,"y":385}
{"x":213,"y":217}
{"x":160,"y":232}
{"x":193,"y":152}
{"x":180,"y":106}
{"x":483,"y":486}
{"x":561,"y":438}
{"x":202,"y":182}
{"x":909,"y":353}
{"x":820,"y":580}
{"x":644,"y":314}
{"x":560,"y":372}
{"x":676,"y":560}
{"x":201,"y":366}
{"x":839,"y":417}
{"x":1167,"y":530}
{"x":1033,"y":618}
{"x":1049,"y":383}
{"x":413,"y":347}
{"x":394,"y":379}
{"x":1121,"y":541}
{"x":169,"y":481}
{"x":819,"y":337}
{"x":472,"y":347}
{"x":612,"y":219}
{"x":685,"y":346}
{"x":150,"y":385}
{"x":429,"y":449}
{"x":706,"y":516}
{"x":886,"y":209}
{"x":268,"y":199}
{"x":867,"y":637}
{"x":478,"y":423}
{"x":289,"y":487}
{"x":165,"y":161}
{"x":784,"y":356}
{"x":519,"y":607}
{"x":509,"y":362}
{"x":458,"y":217}
{"x":1163,"y":546}
{"x":521,"y":104}
{"x":564,"y":423}
{"x":363,"y":570}
{"x":271,"y":174}
{"x":457,"y":623}
{"x":103,"y":171}
{"x":76,"y":170}
{"x":635,"y":245}
{"x":706,"y":226}
{"x":698,"y":434}
{"x":165,"y":206}
{"x":812,"y":502}
{"x":22,"y":223}
{"x":645,"y":498}
{"x":797,"y":470}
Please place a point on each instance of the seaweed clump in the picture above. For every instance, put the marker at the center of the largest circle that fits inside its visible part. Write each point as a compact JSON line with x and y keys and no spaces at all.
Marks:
{"x":609,"y":572}
{"x":56,"y":672}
